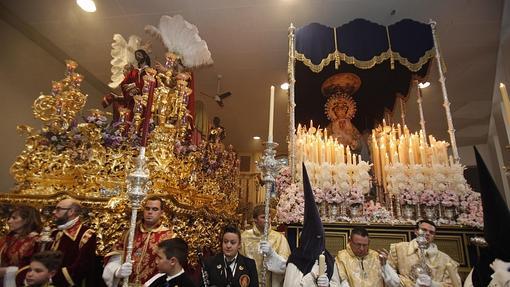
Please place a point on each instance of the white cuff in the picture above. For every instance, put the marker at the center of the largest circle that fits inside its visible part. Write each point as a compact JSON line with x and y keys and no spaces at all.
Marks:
{"x":110,"y":269}
{"x":276,"y":263}
{"x":10,"y":276}
{"x":390,"y":276}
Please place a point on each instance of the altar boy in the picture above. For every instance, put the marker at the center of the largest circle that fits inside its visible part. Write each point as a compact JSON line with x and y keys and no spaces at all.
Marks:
{"x":172,"y":255}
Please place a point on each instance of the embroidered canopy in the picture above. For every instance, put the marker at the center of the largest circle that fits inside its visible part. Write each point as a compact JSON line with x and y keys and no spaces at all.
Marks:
{"x":385,"y":58}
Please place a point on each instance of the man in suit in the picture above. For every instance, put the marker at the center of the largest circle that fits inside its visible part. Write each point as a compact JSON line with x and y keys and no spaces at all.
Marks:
{"x":172,"y":255}
{"x":230,"y":268}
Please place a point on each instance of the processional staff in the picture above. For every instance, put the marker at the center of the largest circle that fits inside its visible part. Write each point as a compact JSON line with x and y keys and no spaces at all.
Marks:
{"x":269,"y":167}
{"x":138,"y":180}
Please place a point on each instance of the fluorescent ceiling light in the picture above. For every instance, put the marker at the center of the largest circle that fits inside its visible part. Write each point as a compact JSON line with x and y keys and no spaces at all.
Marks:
{"x":423,"y":85}
{"x":256,"y":137}
{"x":87,"y":5}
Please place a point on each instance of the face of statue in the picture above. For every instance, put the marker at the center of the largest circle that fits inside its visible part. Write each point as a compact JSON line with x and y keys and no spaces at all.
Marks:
{"x":139,"y":56}
{"x":429,"y":231}
{"x":38,"y":274}
{"x":359,"y":245}
{"x":230,"y":244}
{"x":15,"y":222}
{"x":152,"y":213}
{"x":341,"y":110}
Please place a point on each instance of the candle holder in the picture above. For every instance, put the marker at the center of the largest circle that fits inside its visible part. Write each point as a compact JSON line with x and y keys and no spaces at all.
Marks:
{"x":269,"y":167}
{"x":137,"y":185}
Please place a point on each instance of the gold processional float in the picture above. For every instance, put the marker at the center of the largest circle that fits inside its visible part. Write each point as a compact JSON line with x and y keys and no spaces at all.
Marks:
{"x":86,"y":156}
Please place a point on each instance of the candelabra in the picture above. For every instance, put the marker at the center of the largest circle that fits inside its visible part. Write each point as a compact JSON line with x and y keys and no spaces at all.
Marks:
{"x":137,"y":185}
{"x":269,"y":167}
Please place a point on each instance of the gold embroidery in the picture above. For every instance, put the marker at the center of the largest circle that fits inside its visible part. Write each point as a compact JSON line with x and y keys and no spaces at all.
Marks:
{"x":414,"y":67}
{"x":67,"y":276}
{"x":85,"y":237}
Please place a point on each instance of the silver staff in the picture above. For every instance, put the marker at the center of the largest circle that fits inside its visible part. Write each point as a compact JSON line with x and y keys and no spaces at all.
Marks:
{"x":421,"y":267}
{"x":269,"y":167}
{"x":137,"y":185}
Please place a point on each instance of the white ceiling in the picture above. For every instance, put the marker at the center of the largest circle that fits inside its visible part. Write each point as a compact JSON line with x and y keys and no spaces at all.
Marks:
{"x":248,"y":41}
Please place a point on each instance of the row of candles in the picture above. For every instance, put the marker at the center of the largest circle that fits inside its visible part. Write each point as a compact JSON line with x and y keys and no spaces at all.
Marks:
{"x":391,"y":145}
{"x":314,"y":145}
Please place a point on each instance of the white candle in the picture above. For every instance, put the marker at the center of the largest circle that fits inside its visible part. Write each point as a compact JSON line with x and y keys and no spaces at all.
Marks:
{"x":322,"y":264}
{"x":506,"y":105}
{"x":271,"y":115}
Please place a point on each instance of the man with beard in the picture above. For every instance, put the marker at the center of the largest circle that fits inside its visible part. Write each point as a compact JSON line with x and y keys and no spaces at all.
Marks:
{"x":77,"y":244}
{"x":148,"y":234}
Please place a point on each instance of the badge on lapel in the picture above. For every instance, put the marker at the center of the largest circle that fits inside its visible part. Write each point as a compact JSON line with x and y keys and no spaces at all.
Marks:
{"x":244,"y":280}
{"x":241,"y":268}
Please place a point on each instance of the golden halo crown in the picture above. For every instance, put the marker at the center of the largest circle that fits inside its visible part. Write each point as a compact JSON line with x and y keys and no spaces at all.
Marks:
{"x":340,"y":100}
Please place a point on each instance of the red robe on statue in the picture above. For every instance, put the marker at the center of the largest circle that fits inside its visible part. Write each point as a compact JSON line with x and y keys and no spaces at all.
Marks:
{"x":79,"y":264}
{"x":131,"y":85}
{"x":145,"y":247}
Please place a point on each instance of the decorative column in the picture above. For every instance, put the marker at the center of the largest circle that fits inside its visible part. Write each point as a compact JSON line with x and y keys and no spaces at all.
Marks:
{"x":446,"y":102}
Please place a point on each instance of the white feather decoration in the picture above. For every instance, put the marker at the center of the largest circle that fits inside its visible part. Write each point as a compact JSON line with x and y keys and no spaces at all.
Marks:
{"x":181,"y":37}
{"x":123,"y":53}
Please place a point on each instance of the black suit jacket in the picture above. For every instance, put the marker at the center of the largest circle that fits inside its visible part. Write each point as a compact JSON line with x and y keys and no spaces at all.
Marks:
{"x":180,"y":281}
{"x":245,"y":269}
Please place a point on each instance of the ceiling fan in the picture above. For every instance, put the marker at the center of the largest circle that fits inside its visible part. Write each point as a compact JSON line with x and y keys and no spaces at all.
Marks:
{"x":219,"y":95}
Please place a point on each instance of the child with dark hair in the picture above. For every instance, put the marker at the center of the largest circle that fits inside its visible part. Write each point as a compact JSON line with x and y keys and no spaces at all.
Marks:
{"x":172,"y":256}
{"x":43,"y":267}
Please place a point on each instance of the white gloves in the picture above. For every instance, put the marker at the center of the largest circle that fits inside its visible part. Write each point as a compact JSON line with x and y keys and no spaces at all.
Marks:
{"x":323,"y":281}
{"x":124,"y":270}
{"x":265,"y":248}
{"x":501,"y":271}
{"x":423,"y":280}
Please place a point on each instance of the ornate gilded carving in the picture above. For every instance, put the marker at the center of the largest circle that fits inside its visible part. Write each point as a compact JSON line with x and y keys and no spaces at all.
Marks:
{"x":89,"y":160}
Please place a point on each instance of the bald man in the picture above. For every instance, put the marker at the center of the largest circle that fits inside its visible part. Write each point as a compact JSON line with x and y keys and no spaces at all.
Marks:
{"x":78,"y":245}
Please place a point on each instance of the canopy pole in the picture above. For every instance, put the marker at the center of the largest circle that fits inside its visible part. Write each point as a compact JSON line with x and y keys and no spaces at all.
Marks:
{"x":402,"y":111}
{"x":292,"y":104}
{"x":446,"y":102}
{"x":419,"y":100}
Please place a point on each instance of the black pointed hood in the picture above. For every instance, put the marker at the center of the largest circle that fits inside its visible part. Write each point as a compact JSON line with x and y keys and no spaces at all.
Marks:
{"x":496,"y":221}
{"x":312,"y":242}
{"x":496,"y":216}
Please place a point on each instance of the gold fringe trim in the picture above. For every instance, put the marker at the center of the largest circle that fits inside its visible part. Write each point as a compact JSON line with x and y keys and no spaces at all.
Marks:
{"x":414,"y":67}
{"x":315,"y":68}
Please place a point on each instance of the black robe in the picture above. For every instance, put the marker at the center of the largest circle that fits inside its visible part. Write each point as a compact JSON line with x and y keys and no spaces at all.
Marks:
{"x":246,"y":271}
{"x":180,"y":281}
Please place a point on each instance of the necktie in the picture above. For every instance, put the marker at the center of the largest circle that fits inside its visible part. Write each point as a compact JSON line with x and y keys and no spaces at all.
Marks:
{"x":230,"y":277}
